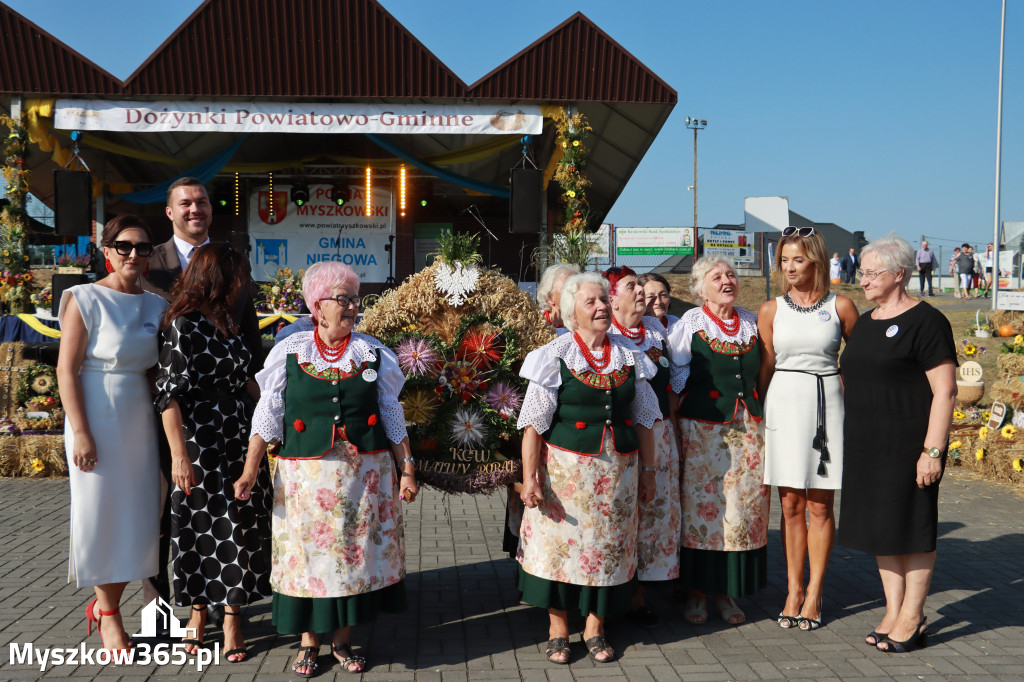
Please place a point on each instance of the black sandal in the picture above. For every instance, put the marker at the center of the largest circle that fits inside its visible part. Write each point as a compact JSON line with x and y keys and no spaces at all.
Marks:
{"x":557,"y":645}
{"x":198,"y":643}
{"x":243,"y":652}
{"x":310,"y":664}
{"x":339,"y":652}
{"x":877,"y":636}
{"x":599,"y":645}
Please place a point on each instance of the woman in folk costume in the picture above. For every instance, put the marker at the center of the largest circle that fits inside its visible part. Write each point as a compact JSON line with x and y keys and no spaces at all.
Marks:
{"x":725,"y":501}
{"x":587,"y":414}
{"x":331,"y":397}
{"x":549,"y":293}
{"x":659,"y":534}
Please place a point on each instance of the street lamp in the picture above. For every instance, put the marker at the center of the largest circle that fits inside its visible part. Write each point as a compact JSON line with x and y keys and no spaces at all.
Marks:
{"x":695,"y":124}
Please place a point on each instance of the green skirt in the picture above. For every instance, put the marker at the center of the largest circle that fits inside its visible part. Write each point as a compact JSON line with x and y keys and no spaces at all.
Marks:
{"x":584,"y":599}
{"x":737,"y":574}
{"x":295,"y":615}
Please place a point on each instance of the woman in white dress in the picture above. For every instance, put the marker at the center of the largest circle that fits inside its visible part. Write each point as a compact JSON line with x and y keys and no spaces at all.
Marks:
{"x":109,"y":334}
{"x":660,"y":522}
{"x":835,"y":268}
{"x":330,"y":398}
{"x":586,"y":416}
{"x":801,"y":333}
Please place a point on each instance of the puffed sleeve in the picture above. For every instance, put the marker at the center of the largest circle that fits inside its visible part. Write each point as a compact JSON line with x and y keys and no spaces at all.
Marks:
{"x":391,"y":380}
{"x":540,"y":368}
{"x":268,"y":419}
{"x":174,"y":375}
{"x":678,"y":346}
{"x":645,"y":406}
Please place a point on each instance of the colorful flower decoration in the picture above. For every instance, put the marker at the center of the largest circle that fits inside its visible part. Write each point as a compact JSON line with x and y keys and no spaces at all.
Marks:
{"x":957,"y":414}
{"x":1008,"y":431}
{"x":420,"y":406}
{"x":986,"y":415}
{"x":504,"y":398}
{"x":482,"y":350}
{"x":417,"y":356}
{"x":970,"y":349}
{"x":955,"y":445}
{"x":979,"y":454}
{"x":983,"y":432}
{"x":1018,"y":340}
{"x":37,"y":464}
{"x":468,"y":427}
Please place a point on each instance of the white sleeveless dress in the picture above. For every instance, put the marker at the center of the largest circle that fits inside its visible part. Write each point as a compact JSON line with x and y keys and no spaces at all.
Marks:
{"x":115,"y":508}
{"x":806,"y":344}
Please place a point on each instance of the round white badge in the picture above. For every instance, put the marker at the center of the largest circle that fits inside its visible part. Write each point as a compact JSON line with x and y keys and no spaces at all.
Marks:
{"x":824,"y":315}
{"x":369,"y":375}
{"x":892,"y":330}
{"x":663,"y":361}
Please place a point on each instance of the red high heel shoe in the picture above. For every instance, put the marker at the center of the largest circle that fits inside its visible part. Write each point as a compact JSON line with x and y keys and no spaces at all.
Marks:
{"x":90,"y":619}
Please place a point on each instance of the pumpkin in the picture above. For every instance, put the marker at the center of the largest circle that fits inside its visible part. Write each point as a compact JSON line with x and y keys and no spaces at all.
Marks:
{"x":836,"y":280}
{"x":1007,"y":330}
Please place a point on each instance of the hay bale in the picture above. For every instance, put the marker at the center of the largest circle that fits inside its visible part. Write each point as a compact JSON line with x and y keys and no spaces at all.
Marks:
{"x":1010,"y":364}
{"x":43,"y":456}
{"x":12,"y":359}
{"x":10,"y":455}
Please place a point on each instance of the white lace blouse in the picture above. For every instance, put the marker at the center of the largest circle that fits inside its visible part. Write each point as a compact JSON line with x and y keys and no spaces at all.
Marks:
{"x":694,"y":320}
{"x":656,"y":336}
{"x":542,"y":369}
{"x":268,"y":420}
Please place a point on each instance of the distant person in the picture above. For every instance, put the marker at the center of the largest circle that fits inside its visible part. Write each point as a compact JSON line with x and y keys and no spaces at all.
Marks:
{"x":924,"y":260}
{"x":549,"y":293}
{"x":850,"y":263}
{"x":835,"y":267}
{"x":954,"y":271}
{"x":988,"y":260}
{"x":965,"y":267}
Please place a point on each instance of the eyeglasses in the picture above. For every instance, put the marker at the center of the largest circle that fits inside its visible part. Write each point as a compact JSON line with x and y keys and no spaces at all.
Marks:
{"x":343,"y":300}
{"x":870,"y":275}
{"x":801,"y":231}
{"x":142,"y":249}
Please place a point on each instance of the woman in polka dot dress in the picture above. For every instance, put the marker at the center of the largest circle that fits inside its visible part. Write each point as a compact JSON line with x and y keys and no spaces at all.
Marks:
{"x":220,"y":545}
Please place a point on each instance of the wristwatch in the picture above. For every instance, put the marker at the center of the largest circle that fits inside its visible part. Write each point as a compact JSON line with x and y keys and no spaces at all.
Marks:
{"x":934,"y":453}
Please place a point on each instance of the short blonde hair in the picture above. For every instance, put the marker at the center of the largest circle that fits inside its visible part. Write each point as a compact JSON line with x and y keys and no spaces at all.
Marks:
{"x":892,"y":253}
{"x":548,"y":279}
{"x":567,"y":305}
{"x":701,"y":269}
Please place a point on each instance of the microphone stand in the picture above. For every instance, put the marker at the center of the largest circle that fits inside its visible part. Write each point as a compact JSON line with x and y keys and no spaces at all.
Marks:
{"x":474,"y":212}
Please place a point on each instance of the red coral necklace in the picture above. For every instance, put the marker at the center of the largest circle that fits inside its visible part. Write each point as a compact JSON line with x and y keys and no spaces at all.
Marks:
{"x":730,"y":328}
{"x":595,"y":364}
{"x":331,"y":353}
{"x":636,"y":336}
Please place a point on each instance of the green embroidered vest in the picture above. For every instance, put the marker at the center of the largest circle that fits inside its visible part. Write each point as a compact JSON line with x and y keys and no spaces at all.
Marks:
{"x":323,"y":408}
{"x":588,"y":405}
{"x":722,"y":375}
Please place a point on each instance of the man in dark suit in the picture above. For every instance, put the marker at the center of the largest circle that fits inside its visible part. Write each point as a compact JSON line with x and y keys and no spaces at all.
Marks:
{"x":850,"y":263}
{"x":191,"y":213}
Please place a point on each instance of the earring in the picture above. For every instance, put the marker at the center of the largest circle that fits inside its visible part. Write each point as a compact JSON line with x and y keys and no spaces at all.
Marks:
{"x":323,"y":323}
{"x":146,"y":271}
{"x":110,"y":268}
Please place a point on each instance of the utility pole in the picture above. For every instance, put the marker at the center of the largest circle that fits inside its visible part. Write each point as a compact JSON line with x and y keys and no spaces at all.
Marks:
{"x":695,"y":124}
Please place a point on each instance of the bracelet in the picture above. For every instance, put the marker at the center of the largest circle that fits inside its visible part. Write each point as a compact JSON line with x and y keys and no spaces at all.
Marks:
{"x":409,"y":460}
{"x":649,"y":470}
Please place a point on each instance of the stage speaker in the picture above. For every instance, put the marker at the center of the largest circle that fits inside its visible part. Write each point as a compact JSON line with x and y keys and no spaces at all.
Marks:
{"x":72,"y":198}
{"x":62,"y":282}
{"x":526,"y":200}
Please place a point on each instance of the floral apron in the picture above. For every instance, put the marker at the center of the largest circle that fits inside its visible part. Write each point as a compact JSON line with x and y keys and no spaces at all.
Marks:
{"x":660,"y":521}
{"x":585,"y":530}
{"x":337,"y":528}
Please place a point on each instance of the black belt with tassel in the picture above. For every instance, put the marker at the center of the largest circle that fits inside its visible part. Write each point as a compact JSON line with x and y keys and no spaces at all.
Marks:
{"x":820,"y":441}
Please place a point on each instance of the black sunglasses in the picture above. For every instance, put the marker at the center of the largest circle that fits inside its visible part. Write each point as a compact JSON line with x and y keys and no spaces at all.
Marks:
{"x":801,"y":231}
{"x":142,"y":249}
{"x":343,"y":300}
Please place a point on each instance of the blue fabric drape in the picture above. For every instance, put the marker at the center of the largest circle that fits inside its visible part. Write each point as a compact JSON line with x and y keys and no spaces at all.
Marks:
{"x":454,"y":178}
{"x":205,"y":171}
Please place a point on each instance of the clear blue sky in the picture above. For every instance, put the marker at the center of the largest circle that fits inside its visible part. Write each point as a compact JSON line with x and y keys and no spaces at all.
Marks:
{"x":876,"y":115}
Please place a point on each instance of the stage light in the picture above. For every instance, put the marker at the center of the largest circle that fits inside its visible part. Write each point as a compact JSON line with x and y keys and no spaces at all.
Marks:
{"x":401,"y":190}
{"x":337,"y":195}
{"x":300,"y":193}
{"x":270,"y":194}
{"x":369,"y":194}
{"x":423,"y":202}
{"x":236,"y":193}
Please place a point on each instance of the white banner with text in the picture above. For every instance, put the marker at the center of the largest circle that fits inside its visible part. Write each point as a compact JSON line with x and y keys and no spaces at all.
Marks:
{"x":296,"y":117}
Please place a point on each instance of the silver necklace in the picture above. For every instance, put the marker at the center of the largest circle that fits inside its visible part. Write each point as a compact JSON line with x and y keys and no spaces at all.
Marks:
{"x":804,"y":309}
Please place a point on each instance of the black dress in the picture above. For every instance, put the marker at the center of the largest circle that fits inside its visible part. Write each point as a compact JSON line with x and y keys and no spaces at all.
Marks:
{"x":220,"y":546}
{"x":888,"y":399}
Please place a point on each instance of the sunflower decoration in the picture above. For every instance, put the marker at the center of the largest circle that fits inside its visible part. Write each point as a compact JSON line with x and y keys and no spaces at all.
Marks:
{"x":1008,"y":431}
{"x":979,"y":454}
{"x":957,"y":414}
{"x":970,"y":350}
{"x":1018,"y":464}
{"x":39,"y":385}
{"x":460,"y":347}
{"x":983,"y":432}
{"x":954,"y":450}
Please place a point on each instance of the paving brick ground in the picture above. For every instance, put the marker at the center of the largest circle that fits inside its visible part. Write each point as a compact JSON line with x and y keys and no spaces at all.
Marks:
{"x":464,"y":621}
